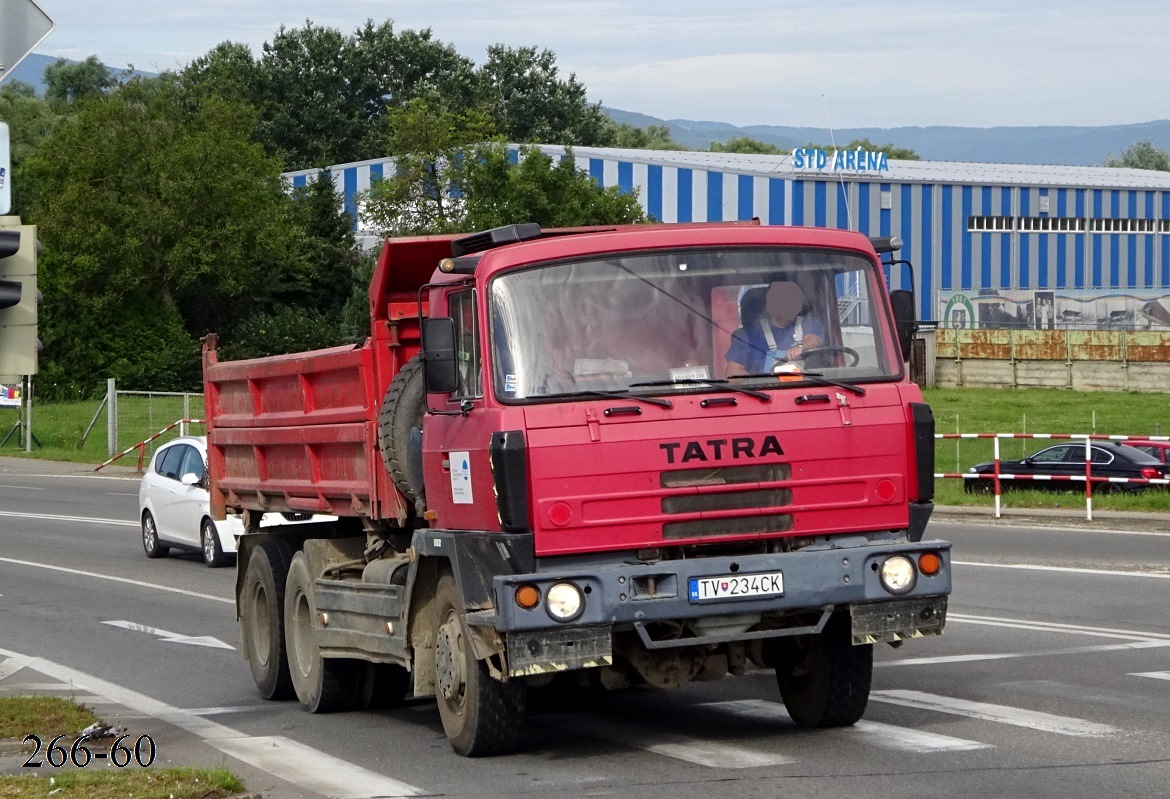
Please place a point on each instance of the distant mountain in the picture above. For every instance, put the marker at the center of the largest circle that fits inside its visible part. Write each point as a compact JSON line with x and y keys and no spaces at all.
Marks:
{"x":1073,"y":146}
{"x":32,"y":70}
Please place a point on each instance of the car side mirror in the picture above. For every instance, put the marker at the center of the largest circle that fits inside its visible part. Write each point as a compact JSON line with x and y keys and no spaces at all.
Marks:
{"x":440,"y":371}
{"x":190,"y":479}
{"x":902,"y":301}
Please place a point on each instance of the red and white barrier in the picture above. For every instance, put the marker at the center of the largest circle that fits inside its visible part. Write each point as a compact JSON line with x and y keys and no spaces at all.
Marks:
{"x":141,"y":445}
{"x":1087,"y":478}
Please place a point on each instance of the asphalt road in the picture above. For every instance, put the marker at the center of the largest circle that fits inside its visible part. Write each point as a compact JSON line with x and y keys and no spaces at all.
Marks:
{"x":1053,"y":679}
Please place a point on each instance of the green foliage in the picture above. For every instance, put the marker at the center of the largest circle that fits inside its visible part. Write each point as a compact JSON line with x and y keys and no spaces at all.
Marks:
{"x":67,"y":83}
{"x":161,"y":220}
{"x":892,"y":152}
{"x":652,"y":137}
{"x":1141,"y":155}
{"x":29,"y":120}
{"x":747,"y":145}
{"x":531,"y":103}
{"x":287,"y":328}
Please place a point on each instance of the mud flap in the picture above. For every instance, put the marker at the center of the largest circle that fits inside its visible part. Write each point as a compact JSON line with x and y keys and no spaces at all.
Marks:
{"x":565,"y":649}
{"x":897,"y":620}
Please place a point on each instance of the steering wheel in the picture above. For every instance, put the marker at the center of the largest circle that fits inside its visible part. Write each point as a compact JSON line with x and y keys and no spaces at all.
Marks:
{"x":852,"y":353}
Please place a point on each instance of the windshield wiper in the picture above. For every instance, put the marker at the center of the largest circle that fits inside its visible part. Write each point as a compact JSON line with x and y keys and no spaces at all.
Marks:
{"x":811,"y":377}
{"x":703,"y":381}
{"x":622,"y":394}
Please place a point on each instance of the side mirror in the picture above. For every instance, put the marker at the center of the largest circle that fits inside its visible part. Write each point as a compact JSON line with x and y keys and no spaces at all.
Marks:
{"x":902,"y":302}
{"x":190,"y":479}
{"x":440,"y":371}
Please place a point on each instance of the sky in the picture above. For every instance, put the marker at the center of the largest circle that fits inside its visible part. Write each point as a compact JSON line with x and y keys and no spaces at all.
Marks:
{"x":844,"y":63}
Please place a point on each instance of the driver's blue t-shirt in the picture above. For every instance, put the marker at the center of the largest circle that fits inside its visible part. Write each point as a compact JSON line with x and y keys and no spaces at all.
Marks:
{"x":749,"y":346}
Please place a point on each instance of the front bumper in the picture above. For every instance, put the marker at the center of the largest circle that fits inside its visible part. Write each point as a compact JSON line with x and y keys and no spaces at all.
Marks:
{"x":632,"y":596}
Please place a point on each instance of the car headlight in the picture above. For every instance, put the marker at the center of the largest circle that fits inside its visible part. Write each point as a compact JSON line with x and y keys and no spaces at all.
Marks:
{"x":564,"y":602}
{"x":972,"y":470}
{"x":898,"y":574}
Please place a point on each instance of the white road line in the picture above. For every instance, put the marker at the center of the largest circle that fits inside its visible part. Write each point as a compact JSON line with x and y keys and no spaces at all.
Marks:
{"x":11,"y":666}
{"x":19,"y":687}
{"x":58,"y":518}
{"x":950,"y":522}
{"x":1058,"y":627}
{"x":122,"y":493}
{"x":136,"y":478}
{"x":111,"y":578}
{"x":23,"y":488}
{"x":1032,"y":719}
{"x":219,"y":711}
{"x":1157,"y":675}
{"x":680,"y":747}
{"x":1063,"y":569}
{"x":888,"y":736}
{"x":286,"y":759}
{"x":170,"y":637}
{"x":1076,"y":650}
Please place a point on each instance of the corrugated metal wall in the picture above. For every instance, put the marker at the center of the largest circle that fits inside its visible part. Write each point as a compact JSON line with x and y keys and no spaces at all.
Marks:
{"x":931,"y":218}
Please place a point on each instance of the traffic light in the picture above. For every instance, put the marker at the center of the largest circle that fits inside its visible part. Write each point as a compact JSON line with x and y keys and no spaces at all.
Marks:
{"x":18,"y":299}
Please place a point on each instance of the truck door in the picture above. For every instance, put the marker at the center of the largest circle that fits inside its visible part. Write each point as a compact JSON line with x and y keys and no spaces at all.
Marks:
{"x":463,"y":495}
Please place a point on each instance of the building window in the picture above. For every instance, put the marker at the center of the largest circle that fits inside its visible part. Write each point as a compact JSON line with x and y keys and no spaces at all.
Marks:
{"x":991,"y":224}
{"x":1048,"y":224}
{"x":1123,"y":226}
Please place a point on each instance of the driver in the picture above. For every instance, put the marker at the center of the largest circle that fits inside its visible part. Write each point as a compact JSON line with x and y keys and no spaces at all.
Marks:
{"x":781,"y":333}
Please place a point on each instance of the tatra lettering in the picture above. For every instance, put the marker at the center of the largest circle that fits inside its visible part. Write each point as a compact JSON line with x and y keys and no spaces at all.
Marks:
{"x":718,"y":449}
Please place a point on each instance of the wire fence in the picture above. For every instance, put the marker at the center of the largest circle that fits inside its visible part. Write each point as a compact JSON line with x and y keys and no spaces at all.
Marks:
{"x":131,"y":417}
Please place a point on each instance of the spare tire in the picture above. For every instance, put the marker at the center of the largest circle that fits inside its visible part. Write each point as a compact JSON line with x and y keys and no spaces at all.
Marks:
{"x":402,"y":409}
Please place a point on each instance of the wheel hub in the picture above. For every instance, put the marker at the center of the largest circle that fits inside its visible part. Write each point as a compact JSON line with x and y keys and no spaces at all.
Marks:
{"x":449,"y":660}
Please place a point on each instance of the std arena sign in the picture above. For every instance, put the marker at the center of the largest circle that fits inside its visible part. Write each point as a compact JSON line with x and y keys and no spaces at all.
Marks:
{"x":816,"y":160}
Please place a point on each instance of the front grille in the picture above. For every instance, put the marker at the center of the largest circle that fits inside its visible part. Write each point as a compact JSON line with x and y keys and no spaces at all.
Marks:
{"x":747,"y":525}
{"x":731,"y":500}
{"x":726,"y":475}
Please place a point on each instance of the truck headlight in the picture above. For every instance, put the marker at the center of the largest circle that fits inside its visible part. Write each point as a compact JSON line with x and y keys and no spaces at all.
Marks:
{"x":898,"y":574}
{"x":564,"y":602}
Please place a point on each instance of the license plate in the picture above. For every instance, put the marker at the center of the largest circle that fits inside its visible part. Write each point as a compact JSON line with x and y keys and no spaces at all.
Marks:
{"x":736,"y":586}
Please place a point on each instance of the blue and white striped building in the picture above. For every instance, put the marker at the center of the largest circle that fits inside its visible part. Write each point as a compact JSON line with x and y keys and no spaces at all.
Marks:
{"x":968,"y":227}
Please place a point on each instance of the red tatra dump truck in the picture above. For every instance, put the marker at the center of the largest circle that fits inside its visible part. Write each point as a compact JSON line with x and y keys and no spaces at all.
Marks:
{"x":647,"y":455}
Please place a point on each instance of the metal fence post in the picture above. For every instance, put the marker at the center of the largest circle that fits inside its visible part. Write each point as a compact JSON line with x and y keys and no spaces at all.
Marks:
{"x":28,"y":435}
{"x":111,"y":417}
{"x":186,"y":413}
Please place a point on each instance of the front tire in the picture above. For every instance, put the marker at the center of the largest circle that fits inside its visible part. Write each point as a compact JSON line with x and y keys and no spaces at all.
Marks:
{"x":323,"y":685}
{"x":213,"y":554}
{"x":481,"y":715}
{"x":824,"y":679}
{"x":262,"y":618}
{"x":150,"y":543}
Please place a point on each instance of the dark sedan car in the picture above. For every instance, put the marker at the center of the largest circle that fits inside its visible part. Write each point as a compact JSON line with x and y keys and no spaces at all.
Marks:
{"x":1066,"y":460}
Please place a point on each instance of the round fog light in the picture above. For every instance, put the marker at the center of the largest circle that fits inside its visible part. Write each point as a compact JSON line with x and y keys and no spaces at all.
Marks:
{"x":898,"y":574}
{"x":564,"y":602}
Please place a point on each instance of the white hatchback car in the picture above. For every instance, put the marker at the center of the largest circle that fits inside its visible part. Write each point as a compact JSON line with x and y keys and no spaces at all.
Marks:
{"x":174,"y":506}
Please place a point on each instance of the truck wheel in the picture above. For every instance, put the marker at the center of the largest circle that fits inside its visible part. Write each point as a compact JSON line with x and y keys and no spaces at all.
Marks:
{"x":323,"y":685}
{"x":824,"y":679}
{"x":402,"y":409}
{"x":262,"y":611}
{"x":481,"y":716}
{"x":383,"y":685}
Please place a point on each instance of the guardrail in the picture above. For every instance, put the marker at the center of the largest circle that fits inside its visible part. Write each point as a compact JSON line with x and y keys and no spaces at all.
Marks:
{"x":996,"y":476}
{"x":141,"y":445}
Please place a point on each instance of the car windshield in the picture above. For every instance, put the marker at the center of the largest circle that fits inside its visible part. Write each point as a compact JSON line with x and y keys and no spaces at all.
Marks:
{"x":681,"y":318}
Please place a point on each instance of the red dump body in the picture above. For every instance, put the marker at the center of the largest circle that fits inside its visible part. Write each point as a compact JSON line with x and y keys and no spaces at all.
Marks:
{"x":300,"y":432}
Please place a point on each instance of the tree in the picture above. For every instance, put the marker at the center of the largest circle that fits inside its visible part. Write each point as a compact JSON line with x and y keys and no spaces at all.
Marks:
{"x":531,"y":103}
{"x":892,"y":152}
{"x":161,"y":220}
{"x":652,"y":137}
{"x":29,"y":120}
{"x":451,"y":175}
{"x":67,"y":83}
{"x":745,"y":144}
{"x":1141,"y":155}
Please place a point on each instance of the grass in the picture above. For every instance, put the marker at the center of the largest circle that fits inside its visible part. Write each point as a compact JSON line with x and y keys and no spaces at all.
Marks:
{"x":46,"y":716}
{"x":108,"y":783}
{"x":1039,"y":410}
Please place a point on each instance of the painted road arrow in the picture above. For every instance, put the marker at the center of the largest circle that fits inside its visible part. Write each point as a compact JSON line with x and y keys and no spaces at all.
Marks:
{"x":175,"y":638}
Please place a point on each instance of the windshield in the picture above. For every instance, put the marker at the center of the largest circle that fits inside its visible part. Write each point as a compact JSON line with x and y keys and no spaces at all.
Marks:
{"x":677,"y":318}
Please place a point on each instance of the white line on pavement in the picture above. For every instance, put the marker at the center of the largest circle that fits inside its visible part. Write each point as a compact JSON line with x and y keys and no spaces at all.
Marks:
{"x":668,"y":744}
{"x":58,"y":518}
{"x":1047,"y":528}
{"x":1032,"y":719}
{"x":219,"y":711}
{"x":1064,"y":569}
{"x":1157,"y":675}
{"x":1058,"y":627}
{"x":286,"y":759}
{"x":111,"y":578}
{"x":170,"y":637}
{"x":888,"y":736}
{"x":11,"y":666}
{"x":23,"y":488}
{"x":1076,"y":650}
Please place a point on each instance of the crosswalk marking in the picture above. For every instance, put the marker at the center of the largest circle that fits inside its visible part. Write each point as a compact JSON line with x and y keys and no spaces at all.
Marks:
{"x":668,"y":744}
{"x":1157,"y":675}
{"x":1032,"y":719}
{"x":888,"y":736}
